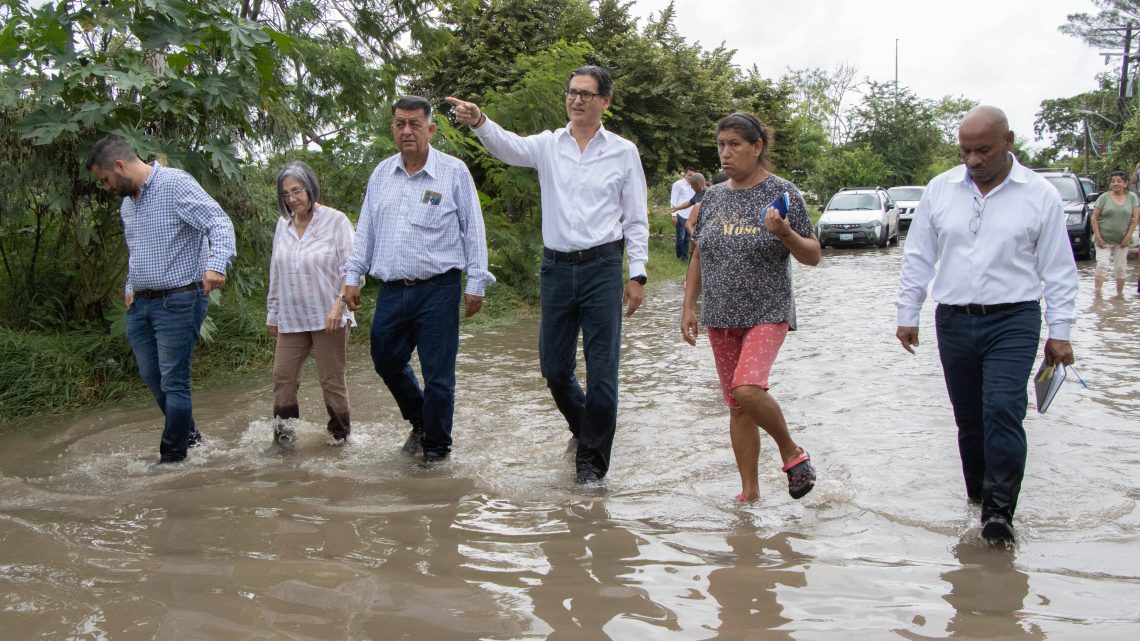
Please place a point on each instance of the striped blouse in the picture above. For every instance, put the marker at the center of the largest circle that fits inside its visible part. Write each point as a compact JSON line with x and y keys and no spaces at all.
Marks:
{"x":305,"y":272}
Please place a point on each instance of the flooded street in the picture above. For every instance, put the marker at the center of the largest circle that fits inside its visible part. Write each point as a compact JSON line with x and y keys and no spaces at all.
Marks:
{"x":243,"y":542}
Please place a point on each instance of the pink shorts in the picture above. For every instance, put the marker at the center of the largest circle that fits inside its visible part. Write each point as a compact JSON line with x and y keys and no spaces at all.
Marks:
{"x":744,"y":356}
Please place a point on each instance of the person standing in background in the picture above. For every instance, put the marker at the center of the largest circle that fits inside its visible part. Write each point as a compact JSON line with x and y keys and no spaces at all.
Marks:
{"x":1113,"y":221}
{"x":679,"y":197}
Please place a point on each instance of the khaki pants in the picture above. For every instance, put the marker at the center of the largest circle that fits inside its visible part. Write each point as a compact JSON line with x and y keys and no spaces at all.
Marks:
{"x":331,"y":351}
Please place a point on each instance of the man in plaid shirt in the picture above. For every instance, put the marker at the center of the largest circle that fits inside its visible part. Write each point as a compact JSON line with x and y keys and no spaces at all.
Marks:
{"x":180,"y":244}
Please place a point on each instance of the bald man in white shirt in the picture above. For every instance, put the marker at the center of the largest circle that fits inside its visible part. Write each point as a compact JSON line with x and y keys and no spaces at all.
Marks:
{"x":594,"y":204}
{"x":996,"y":230}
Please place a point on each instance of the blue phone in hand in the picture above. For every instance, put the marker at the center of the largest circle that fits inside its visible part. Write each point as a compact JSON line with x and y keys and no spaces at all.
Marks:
{"x":781,"y":204}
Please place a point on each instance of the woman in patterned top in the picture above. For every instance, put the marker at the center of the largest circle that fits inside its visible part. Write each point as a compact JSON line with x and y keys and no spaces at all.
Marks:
{"x":307,"y":311}
{"x":741,"y":266}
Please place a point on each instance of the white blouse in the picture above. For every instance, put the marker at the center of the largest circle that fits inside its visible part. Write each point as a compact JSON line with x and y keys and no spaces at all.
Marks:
{"x":305,"y":271}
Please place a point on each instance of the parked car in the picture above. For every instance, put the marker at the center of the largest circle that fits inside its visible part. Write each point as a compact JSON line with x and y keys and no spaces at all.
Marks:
{"x":859,"y":216}
{"x":906,"y":198}
{"x":1078,"y":211}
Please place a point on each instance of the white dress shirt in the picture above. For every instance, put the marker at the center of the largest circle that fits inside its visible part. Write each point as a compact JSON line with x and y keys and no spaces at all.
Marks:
{"x":1020,"y":244}
{"x":305,"y":271}
{"x":589,"y":197}
{"x":419,"y":226}
{"x":681,"y":193}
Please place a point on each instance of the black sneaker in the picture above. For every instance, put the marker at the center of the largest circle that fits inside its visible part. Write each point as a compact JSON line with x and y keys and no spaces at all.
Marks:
{"x":195,"y":439}
{"x":996,"y":528}
{"x":414,"y":444}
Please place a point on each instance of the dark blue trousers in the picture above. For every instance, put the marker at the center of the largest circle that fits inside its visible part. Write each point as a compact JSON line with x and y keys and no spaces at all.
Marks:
{"x":423,"y":317}
{"x":583,"y":297}
{"x":987,"y":361}
{"x":682,"y":240}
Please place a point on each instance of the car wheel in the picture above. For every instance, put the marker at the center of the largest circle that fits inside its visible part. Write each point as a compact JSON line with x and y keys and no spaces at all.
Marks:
{"x":886,"y":236}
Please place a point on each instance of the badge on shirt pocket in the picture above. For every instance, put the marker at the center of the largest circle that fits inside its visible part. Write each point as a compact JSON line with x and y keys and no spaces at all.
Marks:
{"x":431,"y":197}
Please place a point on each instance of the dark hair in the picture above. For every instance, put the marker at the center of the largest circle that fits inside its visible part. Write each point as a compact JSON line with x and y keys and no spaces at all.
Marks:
{"x":605,"y":84}
{"x":109,"y":149}
{"x":751,"y":129}
{"x":413,"y":103}
{"x":1118,"y":172}
{"x":304,"y":175}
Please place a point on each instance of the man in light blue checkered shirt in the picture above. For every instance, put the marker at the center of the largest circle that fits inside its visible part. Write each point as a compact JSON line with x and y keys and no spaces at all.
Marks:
{"x":179,"y":244}
{"x":420,"y":228}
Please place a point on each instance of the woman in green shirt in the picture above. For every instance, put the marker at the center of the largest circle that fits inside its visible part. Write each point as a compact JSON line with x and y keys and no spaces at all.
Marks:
{"x":1113,"y":221}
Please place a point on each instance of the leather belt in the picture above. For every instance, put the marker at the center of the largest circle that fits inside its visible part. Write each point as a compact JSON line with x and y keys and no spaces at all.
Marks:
{"x":409,"y":282}
{"x":974,"y":309}
{"x":162,"y":293}
{"x":584,"y":254}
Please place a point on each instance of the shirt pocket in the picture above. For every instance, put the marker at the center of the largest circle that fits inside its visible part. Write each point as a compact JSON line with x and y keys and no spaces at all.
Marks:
{"x":429,"y":216}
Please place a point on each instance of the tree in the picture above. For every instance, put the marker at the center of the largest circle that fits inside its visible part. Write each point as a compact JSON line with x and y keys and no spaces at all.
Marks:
{"x":1106,"y":27}
{"x":1064,"y":119}
{"x":854,"y":166}
{"x":902,"y":130}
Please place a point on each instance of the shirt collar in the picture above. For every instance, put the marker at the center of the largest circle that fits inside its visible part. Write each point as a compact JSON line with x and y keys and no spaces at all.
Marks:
{"x":431,"y":166}
{"x":146,"y":185}
{"x":602,"y":133}
{"x":1017,"y":173}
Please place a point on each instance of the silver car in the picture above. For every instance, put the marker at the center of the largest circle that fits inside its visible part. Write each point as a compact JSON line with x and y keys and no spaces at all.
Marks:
{"x":906,"y":198}
{"x":859,"y":216}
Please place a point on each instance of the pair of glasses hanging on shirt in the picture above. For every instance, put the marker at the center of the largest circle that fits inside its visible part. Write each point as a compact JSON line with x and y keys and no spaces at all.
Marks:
{"x":979,"y":207}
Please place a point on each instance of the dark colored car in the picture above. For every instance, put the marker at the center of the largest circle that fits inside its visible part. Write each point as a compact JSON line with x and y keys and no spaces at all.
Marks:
{"x":1078,"y":211}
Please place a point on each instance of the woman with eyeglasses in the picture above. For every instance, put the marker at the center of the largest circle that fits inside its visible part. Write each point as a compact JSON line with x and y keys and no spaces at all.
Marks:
{"x":307,"y":311}
{"x":741,"y":267}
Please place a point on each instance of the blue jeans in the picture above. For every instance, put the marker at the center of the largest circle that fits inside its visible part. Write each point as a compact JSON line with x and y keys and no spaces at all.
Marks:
{"x":987,"y":361}
{"x":682,"y":239}
{"x":423,"y":317}
{"x":583,"y":297}
{"x":162,"y":333}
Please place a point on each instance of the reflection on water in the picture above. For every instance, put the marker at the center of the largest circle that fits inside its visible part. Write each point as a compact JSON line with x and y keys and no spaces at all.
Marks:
{"x":246,"y":542}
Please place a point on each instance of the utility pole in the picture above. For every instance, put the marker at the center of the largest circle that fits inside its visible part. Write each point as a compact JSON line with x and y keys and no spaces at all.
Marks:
{"x":897,"y":70}
{"x":1121,"y":101}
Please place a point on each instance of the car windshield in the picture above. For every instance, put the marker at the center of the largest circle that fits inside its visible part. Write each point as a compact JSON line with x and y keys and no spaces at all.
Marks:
{"x":1066,"y":185}
{"x":843,"y":202}
{"x":905,"y":193}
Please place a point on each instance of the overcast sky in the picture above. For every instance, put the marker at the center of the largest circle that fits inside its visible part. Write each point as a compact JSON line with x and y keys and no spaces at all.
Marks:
{"x":1007,"y":53}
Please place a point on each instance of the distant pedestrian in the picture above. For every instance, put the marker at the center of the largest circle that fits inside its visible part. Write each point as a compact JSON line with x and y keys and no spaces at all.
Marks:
{"x":180,"y":244}
{"x":594,"y":206}
{"x":307,"y":312}
{"x":420,"y":228}
{"x":741,"y":267}
{"x":989,"y":232}
{"x":1113,"y":221}
{"x":679,"y":197}
{"x":1134,"y":180}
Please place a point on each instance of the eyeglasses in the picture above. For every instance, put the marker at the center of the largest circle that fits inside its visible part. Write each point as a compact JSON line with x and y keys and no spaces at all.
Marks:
{"x":586,"y":96}
{"x":979,"y":207}
{"x":296,"y":192}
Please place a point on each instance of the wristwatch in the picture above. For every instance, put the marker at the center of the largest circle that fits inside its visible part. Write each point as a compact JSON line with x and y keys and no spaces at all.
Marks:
{"x":640,"y":279}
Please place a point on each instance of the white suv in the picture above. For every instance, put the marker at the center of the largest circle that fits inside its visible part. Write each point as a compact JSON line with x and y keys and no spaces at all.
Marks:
{"x":859,"y":216}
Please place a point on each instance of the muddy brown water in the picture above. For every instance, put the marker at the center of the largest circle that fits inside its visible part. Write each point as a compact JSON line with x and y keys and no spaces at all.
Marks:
{"x":245,"y":542}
